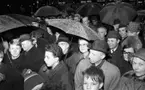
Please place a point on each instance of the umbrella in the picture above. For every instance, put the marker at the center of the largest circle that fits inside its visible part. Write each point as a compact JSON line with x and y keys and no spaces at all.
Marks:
{"x":121,"y":10}
{"x":47,"y":11}
{"x":89,"y":9}
{"x":23,"y":18}
{"x":12,"y":21}
{"x":141,"y":12}
{"x":74,"y":28}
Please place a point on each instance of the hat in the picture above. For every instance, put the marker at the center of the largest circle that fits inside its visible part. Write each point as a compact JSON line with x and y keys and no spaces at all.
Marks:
{"x":25,"y":37}
{"x":140,"y":54}
{"x":113,"y":34}
{"x":100,"y":45}
{"x":62,"y":38}
{"x":133,"y":27}
{"x":122,"y":25}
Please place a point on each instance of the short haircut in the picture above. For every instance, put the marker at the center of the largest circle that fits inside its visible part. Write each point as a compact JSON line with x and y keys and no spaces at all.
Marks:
{"x":95,"y":73}
{"x":55,"y":49}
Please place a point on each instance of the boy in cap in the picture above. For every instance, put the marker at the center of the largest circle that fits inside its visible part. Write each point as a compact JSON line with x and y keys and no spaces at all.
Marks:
{"x":93,"y":75}
{"x":97,"y":57}
{"x":134,"y":79}
{"x":115,"y":52}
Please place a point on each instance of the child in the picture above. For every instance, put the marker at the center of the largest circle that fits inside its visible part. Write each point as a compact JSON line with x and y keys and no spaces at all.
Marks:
{"x":93,"y":78}
{"x":58,"y":72}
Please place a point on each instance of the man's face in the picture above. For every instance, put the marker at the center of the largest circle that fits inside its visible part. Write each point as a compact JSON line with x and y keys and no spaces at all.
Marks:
{"x":102,"y":32}
{"x":83,"y":46}
{"x":15,"y":50}
{"x":85,"y":21}
{"x":49,"y":59}
{"x":64,"y":46}
{"x":138,"y":66}
{"x":26,"y":45}
{"x":95,"y":56}
{"x":123,"y":32}
{"x":113,"y":43}
{"x":90,"y":84}
{"x":77,"y":19}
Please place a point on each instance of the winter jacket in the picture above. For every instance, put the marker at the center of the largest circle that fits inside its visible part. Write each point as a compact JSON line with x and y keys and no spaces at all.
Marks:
{"x":129,"y":81}
{"x":60,"y":75}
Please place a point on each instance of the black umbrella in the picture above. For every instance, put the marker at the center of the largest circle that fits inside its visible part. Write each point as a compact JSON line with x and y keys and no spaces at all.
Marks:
{"x":89,"y":9}
{"x":47,"y":11}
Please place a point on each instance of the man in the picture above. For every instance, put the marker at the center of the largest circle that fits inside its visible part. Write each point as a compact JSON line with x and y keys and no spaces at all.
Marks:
{"x":115,"y":52}
{"x":123,"y":32}
{"x":33,"y":57}
{"x":134,"y":79}
{"x":93,"y":79}
{"x":58,"y":72}
{"x":96,"y":57}
{"x":101,"y":31}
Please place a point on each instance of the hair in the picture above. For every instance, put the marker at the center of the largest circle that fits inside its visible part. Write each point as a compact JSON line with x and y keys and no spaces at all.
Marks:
{"x":55,"y":49}
{"x":95,"y":73}
{"x":101,"y":26}
{"x":14,"y":41}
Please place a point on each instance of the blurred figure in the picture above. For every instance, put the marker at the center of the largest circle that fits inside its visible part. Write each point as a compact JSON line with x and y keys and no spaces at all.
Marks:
{"x":134,"y":79}
{"x":93,"y":79}
{"x":77,"y":17}
{"x":133,"y":30}
{"x":116,"y":24}
{"x":95,"y":19}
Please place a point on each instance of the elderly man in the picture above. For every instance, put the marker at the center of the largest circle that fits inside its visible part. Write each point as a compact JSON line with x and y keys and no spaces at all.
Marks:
{"x":97,"y":57}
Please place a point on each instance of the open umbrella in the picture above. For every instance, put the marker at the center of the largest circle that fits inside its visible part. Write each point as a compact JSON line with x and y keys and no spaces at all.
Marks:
{"x":12,"y":21}
{"x":121,"y":10}
{"x":47,"y":11}
{"x":74,"y":28}
{"x":89,"y":9}
{"x":141,"y":12}
{"x":23,"y":18}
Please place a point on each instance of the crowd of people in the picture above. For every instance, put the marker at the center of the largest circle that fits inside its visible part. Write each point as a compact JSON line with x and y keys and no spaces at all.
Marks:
{"x":46,"y":59}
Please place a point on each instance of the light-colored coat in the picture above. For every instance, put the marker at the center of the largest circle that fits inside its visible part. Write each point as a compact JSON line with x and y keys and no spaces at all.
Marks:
{"x":112,"y":74}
